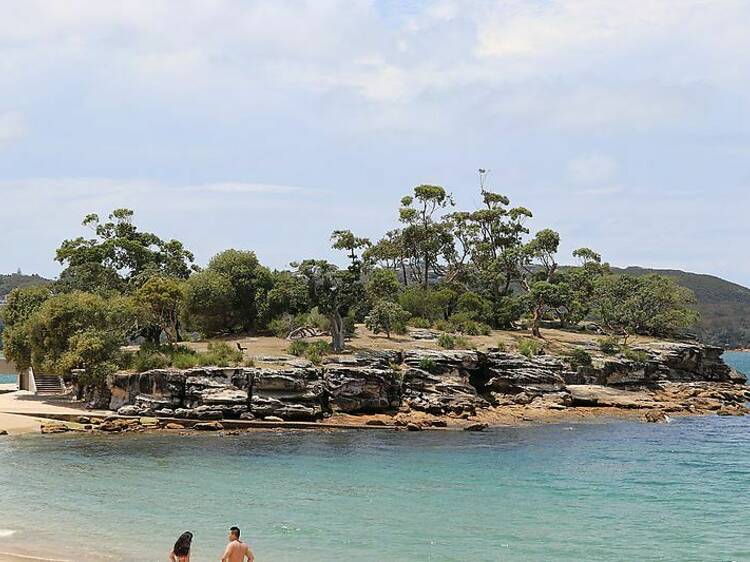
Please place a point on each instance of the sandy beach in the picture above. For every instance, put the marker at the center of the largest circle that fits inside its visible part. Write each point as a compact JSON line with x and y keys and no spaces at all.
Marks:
{"x":8,"y":557}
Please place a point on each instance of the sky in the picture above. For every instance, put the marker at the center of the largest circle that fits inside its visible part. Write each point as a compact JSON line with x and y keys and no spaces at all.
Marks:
{"x":265,"y":125}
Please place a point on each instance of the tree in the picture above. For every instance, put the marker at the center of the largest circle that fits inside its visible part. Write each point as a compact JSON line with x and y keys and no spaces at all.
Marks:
{"x":386,"y":316}
{"x":485,"y":252}
{"x":345,"y":240}
{"x":538,"y":267}
{"x":209,"y":303}
{"x":423,"y":237}
{"x":119,"y":256}
{"x":288,"y":294}
{"x":76,"y":331}
{"x":250,"y":283}
{"x":334,"y":292}
{"x":650,"y":305}
{"x":161,"y":299}
{"x":20,"y":305}
{"x":382,"y":285}
{"x":389,"y":253}
{"x":230,"y":295}
{"x":579,"y":282}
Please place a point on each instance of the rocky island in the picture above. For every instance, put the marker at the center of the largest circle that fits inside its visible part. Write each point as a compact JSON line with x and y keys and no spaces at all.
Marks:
{"x":418,"y":388}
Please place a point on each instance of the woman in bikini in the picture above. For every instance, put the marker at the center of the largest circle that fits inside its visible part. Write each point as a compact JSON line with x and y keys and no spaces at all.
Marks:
{"x":181,"y":550}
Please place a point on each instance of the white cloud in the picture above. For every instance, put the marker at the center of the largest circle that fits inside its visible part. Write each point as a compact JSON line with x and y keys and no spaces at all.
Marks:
{"x":12,"y":127}
{"x":593,"y":169}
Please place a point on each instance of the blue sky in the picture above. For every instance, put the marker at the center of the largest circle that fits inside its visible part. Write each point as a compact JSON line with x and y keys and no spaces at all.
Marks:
{"x":264,"y":125}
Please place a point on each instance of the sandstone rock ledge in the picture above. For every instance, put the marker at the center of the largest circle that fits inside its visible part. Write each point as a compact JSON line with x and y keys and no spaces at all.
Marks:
{"x":438,"y":388}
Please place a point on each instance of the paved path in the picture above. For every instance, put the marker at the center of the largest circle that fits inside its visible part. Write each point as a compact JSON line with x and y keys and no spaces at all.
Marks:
{"x":23,"y":402}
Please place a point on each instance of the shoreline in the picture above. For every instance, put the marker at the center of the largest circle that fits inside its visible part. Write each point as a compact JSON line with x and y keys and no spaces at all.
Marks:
{"x":500,"y":417}
{"x":15,"y":557}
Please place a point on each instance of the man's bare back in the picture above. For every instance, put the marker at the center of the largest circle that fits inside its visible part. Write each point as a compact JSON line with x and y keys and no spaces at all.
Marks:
{"x":237,"y":551}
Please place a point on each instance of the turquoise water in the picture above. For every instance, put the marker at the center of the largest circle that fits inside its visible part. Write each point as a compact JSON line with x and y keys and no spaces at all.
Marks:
{"x":740,"y":360}
{"x":8,"y":379}
{"x":599,"y":491}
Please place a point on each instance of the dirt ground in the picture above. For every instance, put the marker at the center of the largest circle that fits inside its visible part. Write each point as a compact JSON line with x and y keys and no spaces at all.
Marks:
{"x":557,"y":342}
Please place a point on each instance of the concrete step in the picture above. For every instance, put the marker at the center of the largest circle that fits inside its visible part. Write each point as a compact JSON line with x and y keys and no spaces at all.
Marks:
{"x":48,"y":384}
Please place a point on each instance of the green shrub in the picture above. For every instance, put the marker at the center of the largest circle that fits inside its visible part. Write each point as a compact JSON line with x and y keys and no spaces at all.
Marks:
{"x":446,"y":341}
{"x":297,"y":348}
{"x":145,"y":360}
{"x":635,"y":355}
{"x":318,"y":320}
{"x":442,"y":325}
{"x":419,"y":322}
{"x":579,"y":358}
{"x":462,"y":342}
{"x":428,"y":364}
{"x":312,"y":351}
{"x":249,"y":363}
{"x":280,"y":327}
{"x":462,"y":322}
{"x":221,"y":354}
{"x":185,"y":360}
{"x":609,"y":346}
{"x":501,"y":346}
{"x":316,"y":350}
{"x":529,"y":347}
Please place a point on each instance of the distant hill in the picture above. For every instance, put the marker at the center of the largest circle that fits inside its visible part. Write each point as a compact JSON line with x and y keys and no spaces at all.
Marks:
{"x":724,"y":306}
{"x":10,"y":282}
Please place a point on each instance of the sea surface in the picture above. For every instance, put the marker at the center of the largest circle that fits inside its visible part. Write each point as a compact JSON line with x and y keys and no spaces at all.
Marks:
{"x":8,"y":379}
{"x":604,"y":491}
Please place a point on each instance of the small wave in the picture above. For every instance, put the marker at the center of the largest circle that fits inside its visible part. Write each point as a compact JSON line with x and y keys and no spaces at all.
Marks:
{"x":5,"y":533}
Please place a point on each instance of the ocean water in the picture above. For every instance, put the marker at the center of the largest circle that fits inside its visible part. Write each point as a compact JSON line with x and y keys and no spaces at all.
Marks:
{"x":8,"y":379}
{"x":567,"y":492}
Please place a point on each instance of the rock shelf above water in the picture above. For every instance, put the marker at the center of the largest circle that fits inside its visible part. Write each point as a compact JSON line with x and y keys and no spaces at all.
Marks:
{"x":449,"y":382}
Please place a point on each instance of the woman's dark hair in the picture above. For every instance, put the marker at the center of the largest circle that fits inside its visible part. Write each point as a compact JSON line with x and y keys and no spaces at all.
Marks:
{"x":182,"y":546}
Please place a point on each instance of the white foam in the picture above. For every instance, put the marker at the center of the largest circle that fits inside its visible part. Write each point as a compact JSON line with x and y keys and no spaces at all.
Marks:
{"x":5,"y":533}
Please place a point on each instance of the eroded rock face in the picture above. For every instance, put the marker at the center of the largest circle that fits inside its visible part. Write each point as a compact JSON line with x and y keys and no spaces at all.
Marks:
{"x":461,"y":362}
{"x":361,"y":389}
{"x":295,"y":393}
{"x":440,"y":382}
{"x":517,"y":379}
{"x":440,"y":393}
{"x":687,"y":362}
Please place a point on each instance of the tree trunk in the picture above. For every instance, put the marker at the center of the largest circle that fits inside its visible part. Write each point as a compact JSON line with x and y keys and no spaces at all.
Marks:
{"x":337,"y":332}
{"x":403,"y":272}
{"x":535,"y":321}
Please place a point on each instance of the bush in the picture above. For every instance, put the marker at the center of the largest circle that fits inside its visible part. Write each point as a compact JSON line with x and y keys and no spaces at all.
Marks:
{"x":316,"y":350}
{"x":474,"y":306}
{"x":280,"y":327}
{"x":185,"y":360}
{"x":529,"y":347}
{"x":579,"y":358}
{"x":318,"y":320}
{"x":388,"y":317}
{"x":501,"y":346}
{"x":297,"y":348}
{"x":312,"y":351}
{"x":145,"y":360}
{"x":609,"y":346}
{"x":419,"y":322}
{"x":463,"y":322}
{"x":428,"y":364}
{"x":462,"y":342}
{"x":446,"y":341}
{"x":221,"y":354}
{"x":635,"y":355}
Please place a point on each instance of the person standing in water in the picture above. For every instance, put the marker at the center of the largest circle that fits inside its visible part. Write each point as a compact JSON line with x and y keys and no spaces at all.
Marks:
{"x":237,"y":550}
{"x":181,"y":550}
